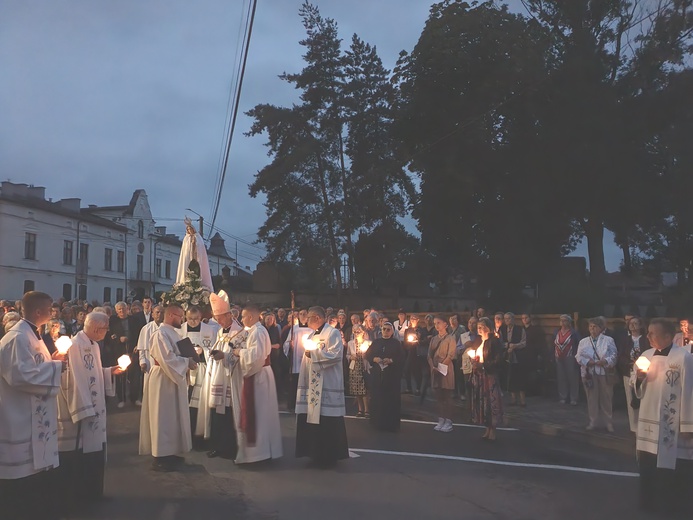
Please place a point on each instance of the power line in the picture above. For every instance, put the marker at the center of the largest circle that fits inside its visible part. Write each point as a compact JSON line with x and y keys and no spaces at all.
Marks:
{"x":235,"y":111}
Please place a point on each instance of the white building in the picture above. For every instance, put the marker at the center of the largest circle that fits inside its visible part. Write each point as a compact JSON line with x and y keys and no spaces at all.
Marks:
{"x":106,"y":253}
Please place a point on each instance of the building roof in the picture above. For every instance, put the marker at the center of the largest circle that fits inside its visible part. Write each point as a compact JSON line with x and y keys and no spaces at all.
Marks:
{"x":217,"y":247}
{"x":54,"y":207}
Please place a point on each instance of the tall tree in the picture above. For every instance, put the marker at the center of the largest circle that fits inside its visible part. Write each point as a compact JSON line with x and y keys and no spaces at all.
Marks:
{"x":333,"y":171}
{"x":468,"y":119}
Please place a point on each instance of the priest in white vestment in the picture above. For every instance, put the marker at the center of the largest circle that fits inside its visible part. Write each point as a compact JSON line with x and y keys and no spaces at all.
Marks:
{"x":665,"y":423}
{"x":202,"y":336}
{"x":254,"y":393}
{"x":220,"y":429}
{"x":29,"y":383}
{"x":165,"y":418}
{"x":320,"y":428}
{"x":82,"y":415}
{"x":144,"y":340}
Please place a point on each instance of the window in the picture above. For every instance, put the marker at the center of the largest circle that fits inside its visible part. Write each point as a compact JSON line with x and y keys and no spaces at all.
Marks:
{"x":119,"y":295}
{"x":67,"y":291}
{"x":84,"y":254}
{"x":158,"y":267}
{"x":121,"y":262}
{"x":30,"y":246}
{"x":28,"y":285}
{"x":82,"y":292}
{"x":168,"y":269}
{"x":67,"y":252}
{"x":108,"y":259}
{"x":140,"y":267}
{"x":106,"y":294}
{"x":140,"y":229}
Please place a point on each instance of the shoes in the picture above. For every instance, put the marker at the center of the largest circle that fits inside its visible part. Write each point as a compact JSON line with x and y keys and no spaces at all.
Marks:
{"x":138,"y":403}
{"x":573,"y":403}
{"x":406,"y":391}
{"x":121,"y":404}
{"x":562,"y":401}
{"x":610,"y":428}
{"x":367,"y":415}
{"x":441,"y":423}
{"x":589,"y":427}
{"x":360,"y":414}
{"x":447,"y":426}
{"x":213,"y":454}
{"x":417,"y":393}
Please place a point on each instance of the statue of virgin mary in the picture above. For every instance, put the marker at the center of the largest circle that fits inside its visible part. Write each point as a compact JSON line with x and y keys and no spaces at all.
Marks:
{"x":193,"y":256}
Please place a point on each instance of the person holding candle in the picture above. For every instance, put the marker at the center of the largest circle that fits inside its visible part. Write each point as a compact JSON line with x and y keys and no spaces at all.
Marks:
{"x":487,"y":399}
{"x":682,"y":339}
{"x":629,"y":348}
{"x":359,"y":369}
{"x":665,"y":424}
{"x":413,"y":363}
{"x":320,"y":428}
{"x":387,"y":359}
{"x":82,"y":415}
{"x":165,"y":418}
{"x":441,"y":352}
{"x":565,"y":343}
{"x":29,"y":383}
{"x":597,"y":355}
{"x":470,"y":341}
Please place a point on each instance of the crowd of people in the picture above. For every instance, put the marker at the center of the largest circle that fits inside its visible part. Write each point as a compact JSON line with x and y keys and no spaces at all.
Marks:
{"x":214,"y":381}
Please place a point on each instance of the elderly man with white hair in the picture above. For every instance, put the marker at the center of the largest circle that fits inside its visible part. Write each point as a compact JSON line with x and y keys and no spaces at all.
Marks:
{"x":82,"y":415}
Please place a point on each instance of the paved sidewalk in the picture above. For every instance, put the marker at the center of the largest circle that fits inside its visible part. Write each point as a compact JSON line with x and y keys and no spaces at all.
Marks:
{"x":543,"y":416}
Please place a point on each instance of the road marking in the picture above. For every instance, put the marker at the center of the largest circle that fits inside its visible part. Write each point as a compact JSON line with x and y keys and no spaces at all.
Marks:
{"x":461,"y":425}
{"x":499,"y":462}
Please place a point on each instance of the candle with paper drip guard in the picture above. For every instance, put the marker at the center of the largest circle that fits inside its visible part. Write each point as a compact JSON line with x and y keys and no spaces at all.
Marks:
{"x":477,"y":354}
{"x":411,"y":338}
{"x":63,"y":344}
{"x":642,"y":363}
{"x":309,"y":344}
{"x":124,"y":361}
{"x":365,"y":346}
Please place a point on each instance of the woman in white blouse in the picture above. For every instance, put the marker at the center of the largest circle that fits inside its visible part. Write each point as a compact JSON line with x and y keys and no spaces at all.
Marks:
{"x":597,"y":355}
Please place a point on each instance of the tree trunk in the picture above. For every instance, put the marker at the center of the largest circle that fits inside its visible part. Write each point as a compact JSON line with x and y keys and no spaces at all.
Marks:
{"x":594,"y":231}
{"x":347,"y":212}
{"x":336,"y":264}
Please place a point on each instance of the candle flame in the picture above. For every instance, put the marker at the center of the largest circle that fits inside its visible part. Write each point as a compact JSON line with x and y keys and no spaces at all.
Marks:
{"x":63,"y":344}
{"x":642,"y":363}
{"x":411,"y":338}
{"x":365,"y":346}
{"x":124,"y":361}
{"x":309,"y":344}
{"x":471,"y":353}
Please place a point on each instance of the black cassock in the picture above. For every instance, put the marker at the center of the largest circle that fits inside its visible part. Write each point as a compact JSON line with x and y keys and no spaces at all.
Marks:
{"x":385,"y":402}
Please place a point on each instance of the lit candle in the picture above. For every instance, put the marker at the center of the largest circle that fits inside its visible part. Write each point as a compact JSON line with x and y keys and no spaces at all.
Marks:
{"x":124,"y":361}
{"x":642,"y":363}
{"x":309,"y":344}
{"x":411,"y":338}
{"x":63,"y":344}
{"x":471,"y":353}
{"x":364,"y":346}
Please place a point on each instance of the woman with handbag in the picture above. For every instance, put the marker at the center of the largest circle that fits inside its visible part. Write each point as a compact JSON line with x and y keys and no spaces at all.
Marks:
{"x":441,"y":351}
{"x":597,"y":355}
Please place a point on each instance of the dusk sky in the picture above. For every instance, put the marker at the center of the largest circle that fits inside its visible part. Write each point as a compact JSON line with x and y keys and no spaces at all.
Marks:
{"x":100,"y":98}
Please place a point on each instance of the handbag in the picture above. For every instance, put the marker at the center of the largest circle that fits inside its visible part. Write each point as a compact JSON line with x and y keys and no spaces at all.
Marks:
{"x":611,"y":376}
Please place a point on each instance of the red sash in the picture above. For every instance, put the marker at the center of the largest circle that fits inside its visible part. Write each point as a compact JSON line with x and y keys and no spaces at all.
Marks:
{"x":248,"y":408}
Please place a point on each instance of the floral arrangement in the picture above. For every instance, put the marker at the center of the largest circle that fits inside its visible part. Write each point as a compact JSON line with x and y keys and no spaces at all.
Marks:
{"x":189,"y":293}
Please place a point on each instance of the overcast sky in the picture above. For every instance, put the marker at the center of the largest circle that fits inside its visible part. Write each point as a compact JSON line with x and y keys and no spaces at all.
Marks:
{"x":100,"y":98}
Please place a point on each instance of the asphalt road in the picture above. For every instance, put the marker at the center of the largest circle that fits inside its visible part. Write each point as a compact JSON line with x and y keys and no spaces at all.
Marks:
{"x":416,"y":473}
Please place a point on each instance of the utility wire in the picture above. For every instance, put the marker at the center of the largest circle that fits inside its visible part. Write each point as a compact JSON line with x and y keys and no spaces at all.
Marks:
{"x":235,"y":111}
